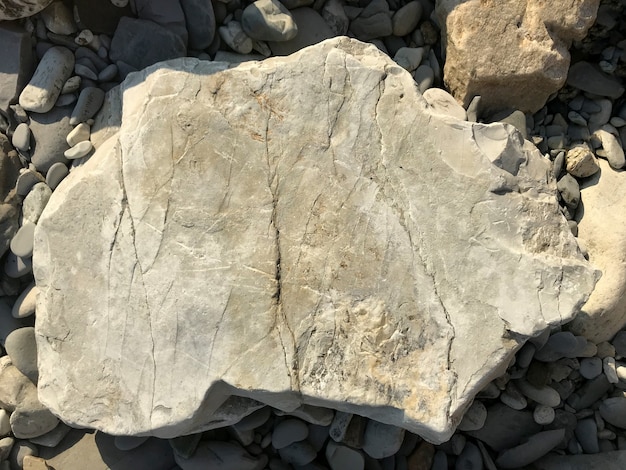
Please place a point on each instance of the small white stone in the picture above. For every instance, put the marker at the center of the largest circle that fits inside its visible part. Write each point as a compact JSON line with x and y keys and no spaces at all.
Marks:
{"x":543,"y":414}
{"x":79,"y":150}
{"x":84,"y":38}
{"x":610,"y":371}
{"x":443,"y":103}
{"x":21,"y":137}
{"x":80,"y":133}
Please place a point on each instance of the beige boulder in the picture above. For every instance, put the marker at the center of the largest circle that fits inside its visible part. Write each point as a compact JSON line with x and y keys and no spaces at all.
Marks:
{"x":602,"y":228}
{"x":513,"y":53}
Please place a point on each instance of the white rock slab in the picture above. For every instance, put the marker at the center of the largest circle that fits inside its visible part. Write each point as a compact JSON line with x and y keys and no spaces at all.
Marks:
{"x":297,"y":231}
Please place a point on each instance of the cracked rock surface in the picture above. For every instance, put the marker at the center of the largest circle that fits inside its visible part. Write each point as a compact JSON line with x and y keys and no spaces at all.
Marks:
{"x":297,"y":231}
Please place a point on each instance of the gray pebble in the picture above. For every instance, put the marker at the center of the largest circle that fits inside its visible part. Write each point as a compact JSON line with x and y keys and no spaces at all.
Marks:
{"x":55,"y":175}
{"x":21,"y":137}
{"x":335,"y":16}
{"x":234,"y":35}
{"x":613,"y":411}
{"x":609,"y":369}
{"x":89,"y":103}
{"x":612,"y":149}
{"x":543,"y":414}
{"x":340,"y":457}
{"x":474,"y":417}
{"x":589,"y":78}
{"x":570,"y":193}
{"x":84,"y":71}
{"x":65,"y":100}
{"x":406,"y":19}
{"x":409,"y":58}
{"x":470,"y":458}
{"x":71,"y":85}
{"x":44,"y":88}
{"x":424,"y":77}
{"x":590,"y":367}
{"x":289,"y":431}
{"x":298,"y":453}
{"x":374,"y":21}
{"x":21,"y":347}
{"x":22,"y":242}
{"x":339,"y":426}
{"x":534,"y":448}
{"x":602,"y":116}
{"x":254,"y":420}
{"x":619,"y":344}
{"x":108,"y":73}
{"x":219,"y":455}
{"x":587,"y":435}
{"x":382,"y":440}
{"x":6,"y":444}
{"x":576,"y":118}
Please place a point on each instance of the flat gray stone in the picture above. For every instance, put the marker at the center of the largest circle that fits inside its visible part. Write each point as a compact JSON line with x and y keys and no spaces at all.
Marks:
{"x":588,"y":77}
{"x":21,"y":348}
{"x":49,"y":133}
{"x":200,"y":22}
{"x":261,"y":239}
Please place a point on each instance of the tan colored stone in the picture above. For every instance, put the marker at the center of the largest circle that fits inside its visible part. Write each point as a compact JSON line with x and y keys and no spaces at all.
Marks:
{"x":513,"y":53}
{"x":603,"y":230}
{"x":31,"y":462}
{"x":581,"y":162}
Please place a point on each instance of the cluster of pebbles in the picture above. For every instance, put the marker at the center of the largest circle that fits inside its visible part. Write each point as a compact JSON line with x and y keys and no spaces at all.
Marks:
{"x":562,"y":394}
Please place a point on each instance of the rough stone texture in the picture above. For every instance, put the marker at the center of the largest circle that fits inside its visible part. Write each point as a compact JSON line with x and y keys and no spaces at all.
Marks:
{"x":319,"y":254}
{"x":602,"y":227}
{"x":523,"y":48}
{"x":9,"y":212}
{"x":16,"y":9}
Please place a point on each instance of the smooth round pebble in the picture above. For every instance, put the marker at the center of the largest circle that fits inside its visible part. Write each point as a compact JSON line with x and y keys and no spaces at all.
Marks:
{"x":289,"y":431}
{"x":382,"y":440}
{"x":543,"y":414}
{"x":409,"y":58}
{"x":26,"y":181}
{"x":6,"y":444}
{"x":254,"y":420}
{"x":85,"y":72}
{"x":406,"y":19}
{"x":79,"y":150}
{"x":89,"y":103}
{"x":587,"y":435}
{"x":21,"y":137}
{"x":534,"y":448}
{"x":590,"y":367}
{"x":23,"y":241}
{"x":613,"y":411}
{"x":233,"y":35}
{"x":84,"y":38}
{"x":340,"y":457}
{"x":71,"y":85}
{"x":55,"y":174}
{"x":108,"y":73}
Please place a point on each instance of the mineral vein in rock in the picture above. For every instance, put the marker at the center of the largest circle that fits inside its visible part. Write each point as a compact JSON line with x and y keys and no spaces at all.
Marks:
{"x":295,"y":231}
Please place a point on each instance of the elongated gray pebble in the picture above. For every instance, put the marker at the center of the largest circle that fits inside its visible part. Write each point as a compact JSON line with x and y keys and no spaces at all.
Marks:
{"x":79,"y":150}
{"x":85,"y":72}
{"x":233,"y":35}
{"x":108,"y":73}
{"x":409,"y":58}
{"x":268,"y":20}
{"x":609,"y":369}
{"x":89,"y":103}
{"x":534,"y":448}
{"x":339,"y":426}
{"x":22,"y":242}
{"x":590,"y":367}
{"x":55,"y":175}
{"x":612,"y":149}
{"x":424,"y":77}
{"x":298,"y":453}
{"x":406,"y":19}
{"x":382,"y":440}
{"x":587,"y":435}
{"x":21,"y":137}
{"x":254,"y":420}
{"x":41,"y":93}
{"x":71,"y":85}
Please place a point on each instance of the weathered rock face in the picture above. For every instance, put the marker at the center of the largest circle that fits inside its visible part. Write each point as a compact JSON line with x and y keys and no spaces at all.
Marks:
{"x":295,"y":231}
{"x":16,"y":9}
{"x":523,"y":48}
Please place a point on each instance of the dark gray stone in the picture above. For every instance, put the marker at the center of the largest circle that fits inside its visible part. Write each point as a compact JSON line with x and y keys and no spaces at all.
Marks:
{"x":140,"y":43}
{"x":200,"y":20}
{"x":588,"y":77}
{"x":17,"y":63}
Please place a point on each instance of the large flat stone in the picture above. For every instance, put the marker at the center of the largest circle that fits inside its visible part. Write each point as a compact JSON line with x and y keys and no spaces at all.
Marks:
{"x":513,"y":53}
{"x":300,"y":230}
